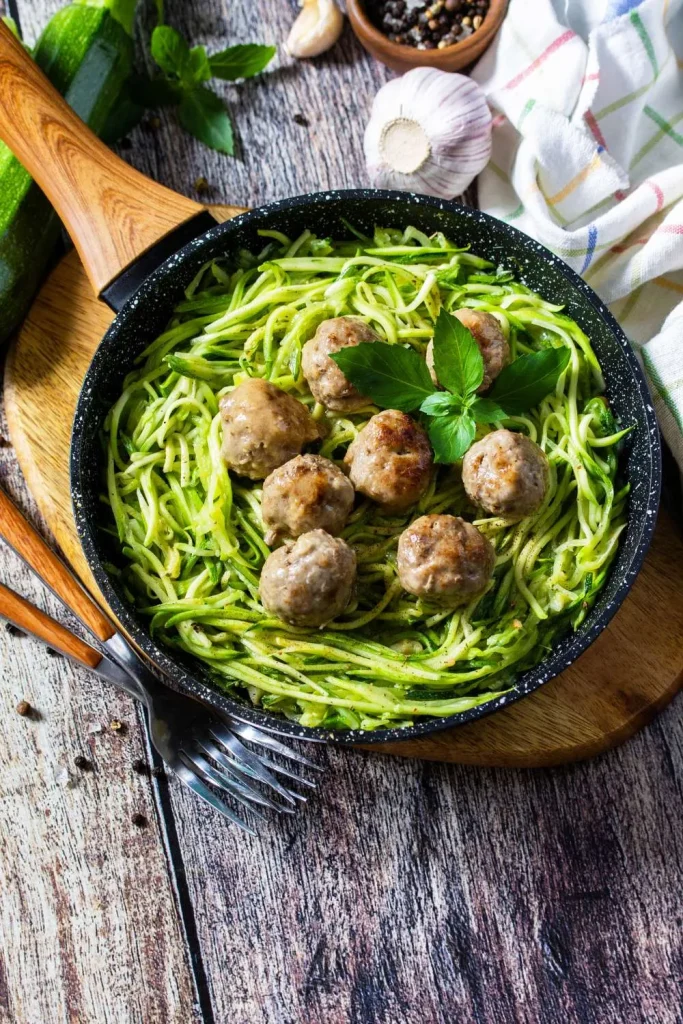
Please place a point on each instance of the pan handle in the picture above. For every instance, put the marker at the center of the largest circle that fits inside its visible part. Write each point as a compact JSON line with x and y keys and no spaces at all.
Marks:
{"x":112,"y":212}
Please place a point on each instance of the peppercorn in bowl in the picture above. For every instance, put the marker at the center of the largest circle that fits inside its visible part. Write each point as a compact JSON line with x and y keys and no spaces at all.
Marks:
{"x":445,"y":34}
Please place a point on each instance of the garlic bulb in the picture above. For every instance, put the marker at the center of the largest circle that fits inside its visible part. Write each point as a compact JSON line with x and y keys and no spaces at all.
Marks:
{"x":317,"y":28}
{"x":429,"y":131}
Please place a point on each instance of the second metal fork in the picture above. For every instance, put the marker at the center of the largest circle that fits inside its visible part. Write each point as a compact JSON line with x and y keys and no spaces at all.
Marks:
{"x":192,"y":741}
{"x":200,"y":746}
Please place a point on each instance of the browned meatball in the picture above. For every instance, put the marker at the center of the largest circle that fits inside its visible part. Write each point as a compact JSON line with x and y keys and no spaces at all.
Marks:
{"x":308,"y":582}
{"x":262,"y":428}
{"x":390,"y":460}
{"x":444,"y":559}
{"x":307,"y":493}
{"x":507,"y":474}
{"x":492,"y":343}
{"x":328,"y":384}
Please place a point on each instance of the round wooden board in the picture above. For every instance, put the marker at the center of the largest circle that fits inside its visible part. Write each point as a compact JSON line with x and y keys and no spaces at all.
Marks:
{"x":631,"y":672}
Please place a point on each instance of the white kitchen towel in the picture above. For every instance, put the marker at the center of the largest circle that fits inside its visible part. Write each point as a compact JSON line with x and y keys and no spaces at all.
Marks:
{"x":587,"y":97}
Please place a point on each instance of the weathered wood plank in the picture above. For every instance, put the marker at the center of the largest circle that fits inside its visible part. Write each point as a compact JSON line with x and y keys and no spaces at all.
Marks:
{"x":407,"y":893}
{"x":89,"y":929}
{"x":426,"y":894}
{"x":87,"y":913}
{"x":276,"y":156}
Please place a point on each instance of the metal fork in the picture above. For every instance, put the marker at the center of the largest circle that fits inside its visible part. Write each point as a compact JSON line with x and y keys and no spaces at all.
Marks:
{"x":187,"y":734}
{"x":199,"y":745}
{"x":192,"y":741}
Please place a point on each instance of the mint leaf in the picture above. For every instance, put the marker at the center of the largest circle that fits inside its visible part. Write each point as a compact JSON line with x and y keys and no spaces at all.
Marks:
{"x":451,"y":436}
{"x":441,"y":403}
{"x":458,"y":363}
{"x":527,"y":381}
{"x":242,"y":61}
{"x":203,"y":114}
{"x":485,"y":410}
{"x":392,"y":376}
{"x":169,"y":50}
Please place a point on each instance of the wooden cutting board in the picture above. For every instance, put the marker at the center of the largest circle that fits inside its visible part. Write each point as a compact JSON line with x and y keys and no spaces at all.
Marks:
{"x":631,"y":672}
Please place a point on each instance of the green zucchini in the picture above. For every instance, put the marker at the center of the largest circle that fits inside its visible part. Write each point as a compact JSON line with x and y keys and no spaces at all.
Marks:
{"x":86,"y":51}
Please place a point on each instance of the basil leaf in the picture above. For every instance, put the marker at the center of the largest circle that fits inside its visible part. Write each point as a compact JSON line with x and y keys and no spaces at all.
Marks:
{"x":242,"y":61}
{"x":174,"y":56}
{"x":458,"y":363}
{"x":451,"y":436}
{"x":203,"y":115}
{"x":392,"y":376}
{"x":156,"y":92}
{"x":485,"y":410}
{"x":169,"y":49}
{"x":527,"y":381}
{"x":197,"y":68}
{"x":441,"y":403}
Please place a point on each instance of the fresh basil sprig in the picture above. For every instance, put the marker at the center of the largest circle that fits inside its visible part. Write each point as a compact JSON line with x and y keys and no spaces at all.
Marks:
{"x":458,"y":362}
{"x":186,"y":69}
{"x":398,"y":378}
{"x":394,"y":377}
{"x":244,"y":60}
{"x":526,"y":382}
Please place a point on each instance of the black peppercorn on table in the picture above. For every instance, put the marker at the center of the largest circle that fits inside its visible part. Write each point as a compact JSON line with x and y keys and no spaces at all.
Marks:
{"x":407,"y":893}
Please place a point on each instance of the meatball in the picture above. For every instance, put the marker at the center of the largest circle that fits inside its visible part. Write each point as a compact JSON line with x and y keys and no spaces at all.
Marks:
{"x":328,"y":384}
{"x":492,"y":343}
{"x":307,"y":493}
{"x":262,"y":428}
{"x":309,"y":581}
{"x":507,"y":474}
{"x":390,"y":460}
{"x":444,"y":559}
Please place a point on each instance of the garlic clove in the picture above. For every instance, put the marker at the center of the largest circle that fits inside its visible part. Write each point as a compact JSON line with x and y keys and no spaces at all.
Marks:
{"x":317,"y":28}
{"x":429,"y":131}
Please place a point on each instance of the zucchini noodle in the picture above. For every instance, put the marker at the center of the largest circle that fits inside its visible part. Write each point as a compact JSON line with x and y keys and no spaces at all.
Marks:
{"x":191,"y":536}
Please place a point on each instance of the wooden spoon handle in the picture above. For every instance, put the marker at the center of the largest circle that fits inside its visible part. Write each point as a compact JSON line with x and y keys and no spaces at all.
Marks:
{"x":112,"y":212}
{"x":26,"y":616}
{"x":28,"y":543}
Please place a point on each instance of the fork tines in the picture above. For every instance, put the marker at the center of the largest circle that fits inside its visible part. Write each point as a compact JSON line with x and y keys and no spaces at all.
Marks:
{"x":218,"y":757}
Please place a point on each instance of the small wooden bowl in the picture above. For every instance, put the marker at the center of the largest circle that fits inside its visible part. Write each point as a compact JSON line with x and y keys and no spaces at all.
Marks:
{"x":402,"y":58}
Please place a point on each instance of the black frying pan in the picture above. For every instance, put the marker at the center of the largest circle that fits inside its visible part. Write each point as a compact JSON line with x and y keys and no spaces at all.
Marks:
{"x":142,"y":244}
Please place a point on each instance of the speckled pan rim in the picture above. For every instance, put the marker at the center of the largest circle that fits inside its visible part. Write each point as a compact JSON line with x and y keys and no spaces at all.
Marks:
{"x":567,"y":651}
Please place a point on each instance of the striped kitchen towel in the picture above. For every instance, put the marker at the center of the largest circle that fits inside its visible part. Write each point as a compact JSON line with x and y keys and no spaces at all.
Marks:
{"x":587,"y":97}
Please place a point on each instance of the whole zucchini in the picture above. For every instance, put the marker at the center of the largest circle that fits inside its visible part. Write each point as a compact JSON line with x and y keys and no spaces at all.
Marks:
{"x":86,"y":51}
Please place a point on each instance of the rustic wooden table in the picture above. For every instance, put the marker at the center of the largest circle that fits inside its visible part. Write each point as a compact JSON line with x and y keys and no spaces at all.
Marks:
{"x":407,"y":893}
